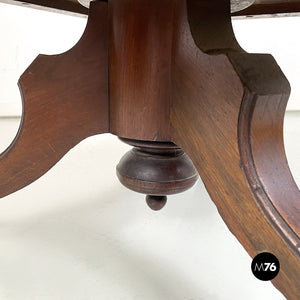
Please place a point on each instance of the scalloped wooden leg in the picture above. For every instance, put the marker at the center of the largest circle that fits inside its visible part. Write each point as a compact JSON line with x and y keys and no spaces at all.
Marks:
{"x":65,"y":100}
{"x":227,"y":113}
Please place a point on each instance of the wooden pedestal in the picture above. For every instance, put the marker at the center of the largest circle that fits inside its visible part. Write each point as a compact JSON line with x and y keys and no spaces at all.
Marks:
{"x":171,"y":71}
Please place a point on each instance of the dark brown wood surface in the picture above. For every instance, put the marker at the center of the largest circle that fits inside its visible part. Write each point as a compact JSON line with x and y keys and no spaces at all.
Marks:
{"x":176,"y":74}
{"x":140,"y":49}
{"x":260,"y":7}
{"x":65,"y":99}
{"x":227,"y":114}
{"x":156,"y":168}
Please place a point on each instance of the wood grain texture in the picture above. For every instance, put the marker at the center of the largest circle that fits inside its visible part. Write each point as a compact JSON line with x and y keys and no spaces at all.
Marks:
{"x":156,"y":168}
{"x":259,"y":7}
{"x":177,"y":74}
{"x":65,"y":100}
{"x":226,"y":108}
{"x":140,"y":62}
{"x":227,"y":114}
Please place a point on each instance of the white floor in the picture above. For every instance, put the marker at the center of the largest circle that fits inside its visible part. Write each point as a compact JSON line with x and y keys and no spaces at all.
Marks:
{"x":78,"y":234}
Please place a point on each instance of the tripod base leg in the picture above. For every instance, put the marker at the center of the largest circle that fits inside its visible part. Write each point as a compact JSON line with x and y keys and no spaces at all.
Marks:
{"x":65,"y":100}
{"x":227,"y":115}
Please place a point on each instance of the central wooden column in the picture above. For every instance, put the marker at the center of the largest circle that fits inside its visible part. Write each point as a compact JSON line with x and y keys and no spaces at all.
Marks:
{"x":140,"y":68}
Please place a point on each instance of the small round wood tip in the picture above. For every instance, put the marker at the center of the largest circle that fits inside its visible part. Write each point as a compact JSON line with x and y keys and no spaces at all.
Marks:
{"x":156,"y":202}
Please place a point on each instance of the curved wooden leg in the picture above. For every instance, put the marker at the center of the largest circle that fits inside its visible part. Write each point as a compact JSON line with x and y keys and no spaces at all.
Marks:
{"x":65,"y":99}
{"x":227,"y":114}
{"x":226,"y":111}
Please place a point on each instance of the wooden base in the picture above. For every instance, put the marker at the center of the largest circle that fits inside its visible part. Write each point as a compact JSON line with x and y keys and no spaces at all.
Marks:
{"x":176,"y":74}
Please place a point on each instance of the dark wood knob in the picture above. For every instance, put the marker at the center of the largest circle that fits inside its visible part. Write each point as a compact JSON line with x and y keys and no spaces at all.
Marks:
{"x":156,"y":169}
{"x":156,"y":202}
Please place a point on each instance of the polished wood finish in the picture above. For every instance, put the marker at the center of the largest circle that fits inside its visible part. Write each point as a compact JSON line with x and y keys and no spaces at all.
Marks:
{"x":156,"y":202}
{"x":177,"y":74}
{"x":140,"y":69}
{"x":65,"y":99}
{"x":157,"y":169}
{"x":227,"y":114}
{"x":259,"y":7}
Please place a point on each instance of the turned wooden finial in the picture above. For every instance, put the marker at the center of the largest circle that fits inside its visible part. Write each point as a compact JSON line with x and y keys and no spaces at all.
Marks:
{"x":156,"y":169}
{"x":156,"y":202}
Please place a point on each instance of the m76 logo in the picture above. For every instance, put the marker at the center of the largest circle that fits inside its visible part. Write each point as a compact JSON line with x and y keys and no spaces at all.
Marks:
{"x":265,"y":266}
